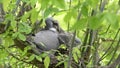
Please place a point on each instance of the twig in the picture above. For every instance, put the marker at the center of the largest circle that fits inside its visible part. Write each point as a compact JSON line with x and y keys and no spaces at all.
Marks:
{"x":119,"y":2}
{"x":79,"y":12}
{"x":93,"y":33}
{"x":68,"y":25}
{"x":102,"y":5}
{"x":116,"y":48}
{"x":115,"y":63}
{"x":70,"y":50}
{"x":109,"y":46}
{"x":106,"y":30}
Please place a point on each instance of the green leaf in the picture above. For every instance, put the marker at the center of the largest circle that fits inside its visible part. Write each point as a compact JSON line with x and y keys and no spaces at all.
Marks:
{"x":44,"y":3}
{"x":39,"y":58}
{"x":75,"y":57}
{"x":24,"y":27}
{"x":112,"y":19}
{"x":55,"y":9}
{"x":31,"y":58}
{"x":76,"y":54}
{"x":80,"y":24}
{"x":7,"y":41}
{"x":95,"y":22}
{"x":92,"y":3}
{"x":14,"y":35}
{"x":47,"y":12}
{"x":43,"y":55}
{"x":10,"y":17}
{"x":26,"y":50}
{"x":21,"y":37}
{"x":115,"y":25}
{"x":77,"y":51}
{"x":60,"y":63}
{"x":1,"y":1}
{"x":65,"y":64}
{"x":68,"y":16}
{"x":33,"y":2}
{"x":6,"y":4}
{"x":34,"y":15}
{"x":59,"y":3}
{"x":25,"y":16}
{"x":13,"y":24}
{"x":46,"y":61}
{"x":84,"y":10}
{"x":3,"y":55}
{"x":73,"y":13}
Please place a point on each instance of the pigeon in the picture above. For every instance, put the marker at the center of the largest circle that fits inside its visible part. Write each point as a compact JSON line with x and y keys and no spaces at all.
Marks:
{"x":50,"y":39}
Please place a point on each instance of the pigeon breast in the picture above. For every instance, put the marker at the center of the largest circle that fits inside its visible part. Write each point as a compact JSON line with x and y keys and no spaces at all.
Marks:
{"x":46,"y":40}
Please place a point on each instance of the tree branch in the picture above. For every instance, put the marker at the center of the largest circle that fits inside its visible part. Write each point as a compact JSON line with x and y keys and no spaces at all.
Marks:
{"x":102,"y":57}
{"x":70,"y":50}
{"x":116,"y":48}
{"x":115,"y":63}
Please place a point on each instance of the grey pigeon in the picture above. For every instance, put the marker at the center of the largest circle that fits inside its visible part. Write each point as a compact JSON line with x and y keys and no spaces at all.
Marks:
{"x":50,"y":38}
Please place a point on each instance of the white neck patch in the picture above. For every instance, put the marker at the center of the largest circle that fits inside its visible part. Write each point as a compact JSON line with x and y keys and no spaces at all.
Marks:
{"x":53,"y":29}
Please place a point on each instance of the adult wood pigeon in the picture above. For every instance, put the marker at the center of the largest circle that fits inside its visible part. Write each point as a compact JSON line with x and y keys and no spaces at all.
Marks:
{"x":50,"y":38}
{"x":47,"y":40}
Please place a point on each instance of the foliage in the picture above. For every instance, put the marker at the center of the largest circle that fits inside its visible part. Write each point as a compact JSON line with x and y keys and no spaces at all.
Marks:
{"x":96,"y":21}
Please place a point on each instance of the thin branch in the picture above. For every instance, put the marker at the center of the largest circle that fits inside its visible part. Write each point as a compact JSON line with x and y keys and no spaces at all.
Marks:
{"x":116,"y":48}
{"x":106,"y":30}
{"x":102,"y":5}
{"x":93,"y":33}
{"x":70,"y":4}
{"x":109,"y":46}
{"x":68,"y":23}
{"x":115,"y":63}
{"x":2,"y":12}
{"x":79,"y":15}
{"x":119,"y":2}
{"x":70,"y":50}
{"x":85,"y":40}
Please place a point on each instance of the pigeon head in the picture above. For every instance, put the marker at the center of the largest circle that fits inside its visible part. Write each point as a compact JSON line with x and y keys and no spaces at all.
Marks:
{"x":52,"y":24}
{"x":49,"y":23}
